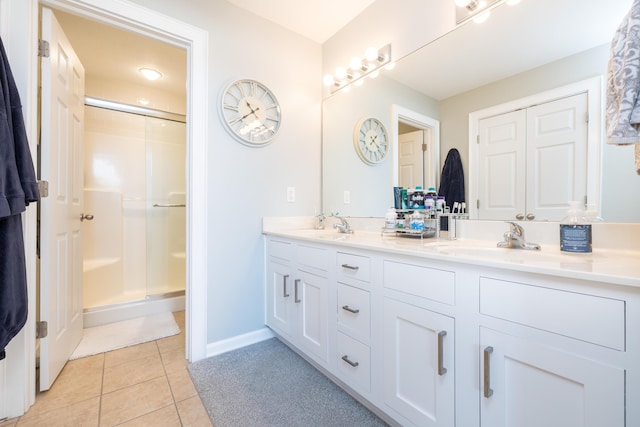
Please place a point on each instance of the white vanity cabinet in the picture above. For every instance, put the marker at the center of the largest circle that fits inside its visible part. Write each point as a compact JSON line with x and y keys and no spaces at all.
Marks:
{"x":550,"y":356}
{"x":418,"y":356}
{"x":296,"y":295}
{"x":446,"y":341}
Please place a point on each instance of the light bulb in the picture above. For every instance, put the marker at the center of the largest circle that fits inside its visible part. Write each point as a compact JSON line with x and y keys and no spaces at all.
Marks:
{"x":462,"y":3}
{"x":355,"y":63}
{"x":375,"y":74}
{"x":371,"y":54}
{"x":512,"y":2}
{"x":341,"y":73}
{"x":149,"y":73}
{"x":328,"y":80}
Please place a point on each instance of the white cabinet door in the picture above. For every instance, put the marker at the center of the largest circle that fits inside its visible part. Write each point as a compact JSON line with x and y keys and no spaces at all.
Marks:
{"x":281,"y":311}
{"x":533,"y":161}
{"x":502,"y":166}
{"x":556,"y":156}
{"x":310,"y":297}
{"x":525,"y":384}
{"x":418,"y":364}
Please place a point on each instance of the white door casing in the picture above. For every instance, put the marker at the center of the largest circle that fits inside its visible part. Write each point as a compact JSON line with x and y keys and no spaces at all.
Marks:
{"x":570,"y":123}
{"x":22,"y":38}
{"x":62,"y":166}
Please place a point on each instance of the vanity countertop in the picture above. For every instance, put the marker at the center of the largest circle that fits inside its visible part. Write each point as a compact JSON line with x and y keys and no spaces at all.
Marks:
{"x":621,"y":267}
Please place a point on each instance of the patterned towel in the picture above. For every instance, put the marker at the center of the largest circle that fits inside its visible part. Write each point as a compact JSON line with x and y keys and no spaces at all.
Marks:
{"x":623,"y":84}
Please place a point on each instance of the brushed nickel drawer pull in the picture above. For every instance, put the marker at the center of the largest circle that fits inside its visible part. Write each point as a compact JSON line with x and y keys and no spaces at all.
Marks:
{"x":441,"y":369}
{"x":350,"y":310}
{"x":295,"y":291}
{"x":350,"y":267}
{"x":488,"y":392}
{"x":346,"y":359}
{"x":284,"y":286}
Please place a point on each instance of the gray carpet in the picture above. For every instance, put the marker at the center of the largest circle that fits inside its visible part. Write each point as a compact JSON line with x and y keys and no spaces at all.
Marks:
{"x":267,"y":384}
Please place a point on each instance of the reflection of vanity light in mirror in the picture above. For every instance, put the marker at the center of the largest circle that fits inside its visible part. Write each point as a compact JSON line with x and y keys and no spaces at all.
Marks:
{"x":478,"y":10}
{"x":374,"y":59}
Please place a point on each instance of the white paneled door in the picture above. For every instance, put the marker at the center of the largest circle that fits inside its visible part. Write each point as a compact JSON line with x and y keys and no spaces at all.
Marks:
{"x":533,"y":161}
{"x":62,"y":107}
{"x":410,"y":159}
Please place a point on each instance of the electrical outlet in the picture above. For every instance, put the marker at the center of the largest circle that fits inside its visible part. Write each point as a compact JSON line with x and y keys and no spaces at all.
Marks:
{"x":347,"y":197}
{"x":291,"y":194}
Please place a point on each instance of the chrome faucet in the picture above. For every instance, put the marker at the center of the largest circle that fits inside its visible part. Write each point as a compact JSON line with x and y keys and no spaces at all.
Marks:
{"x":343,"y":226}
{"x":514,"y":238}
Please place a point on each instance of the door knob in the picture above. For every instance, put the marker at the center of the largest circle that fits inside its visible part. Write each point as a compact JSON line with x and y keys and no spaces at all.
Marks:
{"x":88,"y":217}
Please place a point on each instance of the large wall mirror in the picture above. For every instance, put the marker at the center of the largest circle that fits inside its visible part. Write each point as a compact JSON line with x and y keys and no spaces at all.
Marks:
{"x":525,"y":49}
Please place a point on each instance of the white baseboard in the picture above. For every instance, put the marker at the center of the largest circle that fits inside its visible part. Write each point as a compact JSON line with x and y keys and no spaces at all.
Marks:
{"x":239,"y":341}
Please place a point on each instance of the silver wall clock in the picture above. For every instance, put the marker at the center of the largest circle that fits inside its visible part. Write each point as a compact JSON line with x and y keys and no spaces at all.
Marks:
{"x":371,"y":140}
{"x":250,"y":111}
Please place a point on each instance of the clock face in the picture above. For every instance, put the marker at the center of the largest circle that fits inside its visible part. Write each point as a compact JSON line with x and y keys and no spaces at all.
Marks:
{"x":250,"y":112}
{"x":371,"y":140}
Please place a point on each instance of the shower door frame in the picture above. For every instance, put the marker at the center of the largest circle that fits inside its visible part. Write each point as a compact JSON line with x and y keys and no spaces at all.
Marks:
{"x":19,"y":24}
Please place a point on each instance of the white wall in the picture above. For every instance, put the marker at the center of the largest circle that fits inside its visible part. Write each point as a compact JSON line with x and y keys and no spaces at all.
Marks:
{"x":245,"y":183}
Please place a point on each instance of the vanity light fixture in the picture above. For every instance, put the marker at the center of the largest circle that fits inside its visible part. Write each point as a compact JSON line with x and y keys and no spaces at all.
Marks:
{"x":478,"y":10}
{"x":150,"y":73}
{"x":359,"y":68}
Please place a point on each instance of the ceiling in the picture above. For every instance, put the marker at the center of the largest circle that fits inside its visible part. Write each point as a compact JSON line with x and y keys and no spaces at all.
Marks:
{"x":110,"y":52}
{"x":317,"y":20}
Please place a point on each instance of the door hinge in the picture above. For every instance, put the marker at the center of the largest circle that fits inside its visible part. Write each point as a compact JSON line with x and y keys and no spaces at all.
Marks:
{"x":42,"y":329}
{"x":43,"y":48}
{"x":478,"y":139}
{"x":43,"y":187}
{"x":424,"y":148}
{"x":478,"y":204}
{"x":586,"y":117}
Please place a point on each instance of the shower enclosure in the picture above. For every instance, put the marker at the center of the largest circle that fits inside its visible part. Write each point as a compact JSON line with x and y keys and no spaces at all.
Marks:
{"x":135,"y":181}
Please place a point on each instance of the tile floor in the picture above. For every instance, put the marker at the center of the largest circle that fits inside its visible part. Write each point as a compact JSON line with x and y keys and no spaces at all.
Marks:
{"x":143,"y":385}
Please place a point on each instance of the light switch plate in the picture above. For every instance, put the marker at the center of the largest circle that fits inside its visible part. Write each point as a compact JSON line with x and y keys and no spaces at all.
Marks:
{"x":291,"y":194}
{"x":347,"y":197}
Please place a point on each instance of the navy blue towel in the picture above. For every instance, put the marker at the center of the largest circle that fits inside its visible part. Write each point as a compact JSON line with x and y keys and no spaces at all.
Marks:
{"x":452,"y":179}
{"x":18,"y":187}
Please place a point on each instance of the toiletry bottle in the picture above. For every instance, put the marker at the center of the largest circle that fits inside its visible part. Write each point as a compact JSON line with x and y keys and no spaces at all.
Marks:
{"x":575,"y":231}
{"x":417,"y":198}
{"x":416,"y":221}
{"x":404,"y":195}
{"x":390,"y":219}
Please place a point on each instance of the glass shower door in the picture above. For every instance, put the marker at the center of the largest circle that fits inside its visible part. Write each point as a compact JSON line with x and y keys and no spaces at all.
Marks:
{"x":166,"y":206}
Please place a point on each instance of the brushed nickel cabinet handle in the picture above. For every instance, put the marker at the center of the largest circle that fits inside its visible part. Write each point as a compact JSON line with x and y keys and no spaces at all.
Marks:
{"x":530,"y":217}
{"x":346,"y":359}
{"x":350,"y":310}
{"x":441,"y":369}
{"x":488,"y":392}
{"x":350,"y":267}
{"x":284,"y":286}
{"x":295,"y":291}
{"x":520,"y":216}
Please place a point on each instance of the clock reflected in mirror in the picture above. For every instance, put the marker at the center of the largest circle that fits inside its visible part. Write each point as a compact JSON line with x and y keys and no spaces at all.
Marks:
{"x":250,"y":112}
{"x":370,"y":140}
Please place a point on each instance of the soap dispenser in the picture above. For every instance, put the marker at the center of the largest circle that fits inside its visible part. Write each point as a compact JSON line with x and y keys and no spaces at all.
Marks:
{"x":575,"y":231}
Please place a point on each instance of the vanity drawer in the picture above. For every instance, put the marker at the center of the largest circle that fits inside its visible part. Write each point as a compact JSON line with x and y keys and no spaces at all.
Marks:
{"x":431,"y":283}
{"x":354,"y":266}
{"x":354,"y":311}
{"x":351,"y":352}
{"x":312,"y":256}
{"x":589,"y":318}
{"x":280,"y":249}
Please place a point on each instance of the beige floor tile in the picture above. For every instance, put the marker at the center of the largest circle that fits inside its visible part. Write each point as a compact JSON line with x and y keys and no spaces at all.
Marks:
{"x":179,"y":316}
{"x":80,"y":380}
{"x":192,"y":413}
{"x":165,"y":417}
{"x":134,"y":372}
{"x":181,"y":385}
{"x":135,"y":401}
{"x":128,"y":354}
{"x":174,"y":360}
{"x":174,"y":342}
{"x":9,"y":423}
{"x":82,"y":414}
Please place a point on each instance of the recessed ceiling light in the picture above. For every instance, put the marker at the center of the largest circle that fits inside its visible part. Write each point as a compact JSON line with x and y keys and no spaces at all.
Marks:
{"x":150,"y":73}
